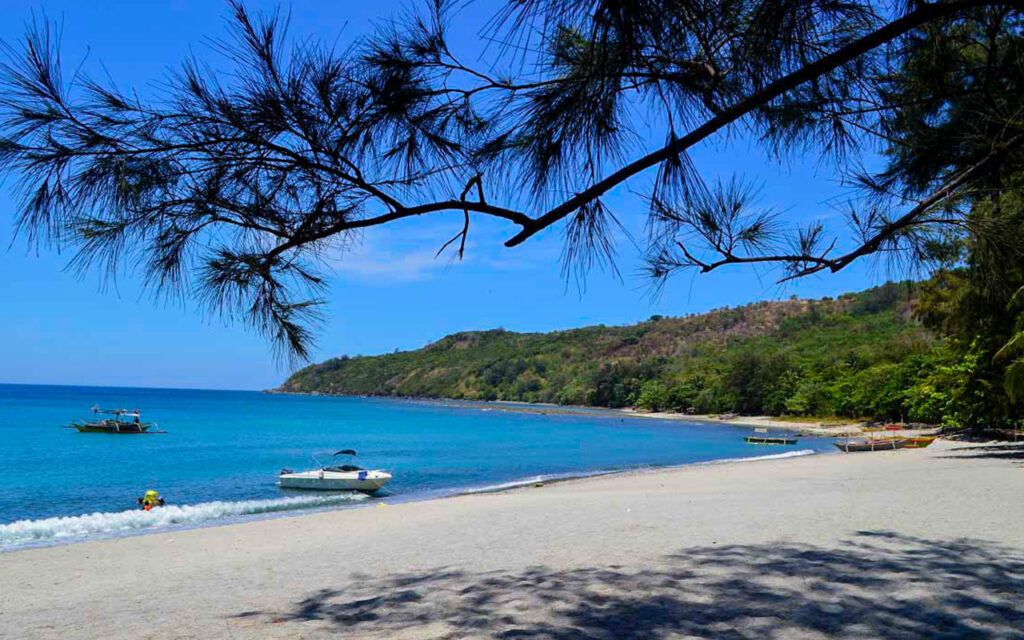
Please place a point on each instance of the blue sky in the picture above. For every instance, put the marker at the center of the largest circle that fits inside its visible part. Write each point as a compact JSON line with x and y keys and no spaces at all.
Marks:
{"x":389,"y":292}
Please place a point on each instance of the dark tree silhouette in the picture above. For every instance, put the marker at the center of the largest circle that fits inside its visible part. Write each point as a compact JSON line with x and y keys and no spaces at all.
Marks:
{"x":232,"y":187}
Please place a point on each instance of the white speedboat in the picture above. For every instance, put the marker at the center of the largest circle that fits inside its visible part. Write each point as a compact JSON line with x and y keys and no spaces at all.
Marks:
{"x":338,"y":478}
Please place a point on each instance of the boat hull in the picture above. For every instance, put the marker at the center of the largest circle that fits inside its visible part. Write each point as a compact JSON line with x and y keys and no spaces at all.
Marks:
{"x":87,"y":428}
{"x":919,"y":443}
{"x":324,"y":480}
{"x":871,"y":445}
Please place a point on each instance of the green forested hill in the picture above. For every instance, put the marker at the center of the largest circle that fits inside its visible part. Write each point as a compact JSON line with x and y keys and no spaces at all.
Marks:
{"x":859,"y":355}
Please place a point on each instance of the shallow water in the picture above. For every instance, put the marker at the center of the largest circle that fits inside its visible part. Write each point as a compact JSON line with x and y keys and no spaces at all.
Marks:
{"x":219,"y":459}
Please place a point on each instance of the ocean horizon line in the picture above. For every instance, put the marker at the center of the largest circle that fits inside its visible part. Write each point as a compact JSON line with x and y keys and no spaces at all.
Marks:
{"x":118,"y":386}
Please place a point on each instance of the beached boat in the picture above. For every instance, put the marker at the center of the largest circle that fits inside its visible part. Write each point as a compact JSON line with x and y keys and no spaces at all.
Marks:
{"x":336,"y":478}
{"x":874,"y":444}
{"x":920,"y":442}
{"x":124,"y":421}
{"x":883,"y":427}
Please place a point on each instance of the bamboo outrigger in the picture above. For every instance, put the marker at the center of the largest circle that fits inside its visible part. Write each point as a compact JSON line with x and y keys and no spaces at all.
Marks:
{"x":767,"y":439}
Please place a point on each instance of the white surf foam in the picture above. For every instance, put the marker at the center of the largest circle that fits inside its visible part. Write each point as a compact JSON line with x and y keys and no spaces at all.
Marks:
{"x":30,"y":532}
{"x":525,"y":482}
{"x":772,"y":456}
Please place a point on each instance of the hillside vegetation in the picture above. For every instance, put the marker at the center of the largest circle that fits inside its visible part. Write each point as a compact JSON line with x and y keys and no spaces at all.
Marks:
{"x":861,"y":354}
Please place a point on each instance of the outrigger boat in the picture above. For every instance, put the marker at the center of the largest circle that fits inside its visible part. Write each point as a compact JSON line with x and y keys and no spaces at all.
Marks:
{"x":919,"y":442}
{"x":884,"y":427}
{"x":766,"y":439}
{"x":344,"y":477}
{"x":872,"y":444}
{"x":124,"y":421}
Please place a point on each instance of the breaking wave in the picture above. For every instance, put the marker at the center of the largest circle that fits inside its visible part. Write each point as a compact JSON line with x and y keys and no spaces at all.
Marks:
{"x":771,"y":456}
{"x":525,"y":482}
{"x":101,"y":524}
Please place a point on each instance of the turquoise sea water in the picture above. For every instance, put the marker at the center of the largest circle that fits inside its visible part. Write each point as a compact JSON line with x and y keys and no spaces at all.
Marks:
{"x":219,"y":459}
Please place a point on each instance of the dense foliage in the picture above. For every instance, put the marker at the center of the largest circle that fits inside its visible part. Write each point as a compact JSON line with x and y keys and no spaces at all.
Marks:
{"x":972,"y":300}
{"x":859,"y":355}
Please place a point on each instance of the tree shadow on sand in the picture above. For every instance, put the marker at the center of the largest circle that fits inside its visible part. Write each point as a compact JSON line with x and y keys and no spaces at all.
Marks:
{"x":880,"y":585}
{"x":1010,"y":452}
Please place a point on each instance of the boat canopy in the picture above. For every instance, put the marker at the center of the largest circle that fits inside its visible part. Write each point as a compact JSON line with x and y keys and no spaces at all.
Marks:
{"x":125,"y":413}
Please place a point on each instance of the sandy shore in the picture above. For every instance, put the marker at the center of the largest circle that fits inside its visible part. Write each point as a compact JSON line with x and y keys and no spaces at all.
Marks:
{"x":904,"y":544}
{"x":810,"y":427}
{"x":807,"y":426}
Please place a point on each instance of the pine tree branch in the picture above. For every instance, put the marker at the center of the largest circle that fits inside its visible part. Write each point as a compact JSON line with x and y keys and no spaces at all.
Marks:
{"x":922,"y":15}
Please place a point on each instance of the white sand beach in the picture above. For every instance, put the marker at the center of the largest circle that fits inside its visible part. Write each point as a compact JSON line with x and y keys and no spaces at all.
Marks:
{"x":905,"y":544}
{"x":810,"y":427}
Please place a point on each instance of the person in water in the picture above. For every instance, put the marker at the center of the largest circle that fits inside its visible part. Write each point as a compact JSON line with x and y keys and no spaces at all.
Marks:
{"x":151,"y":499}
